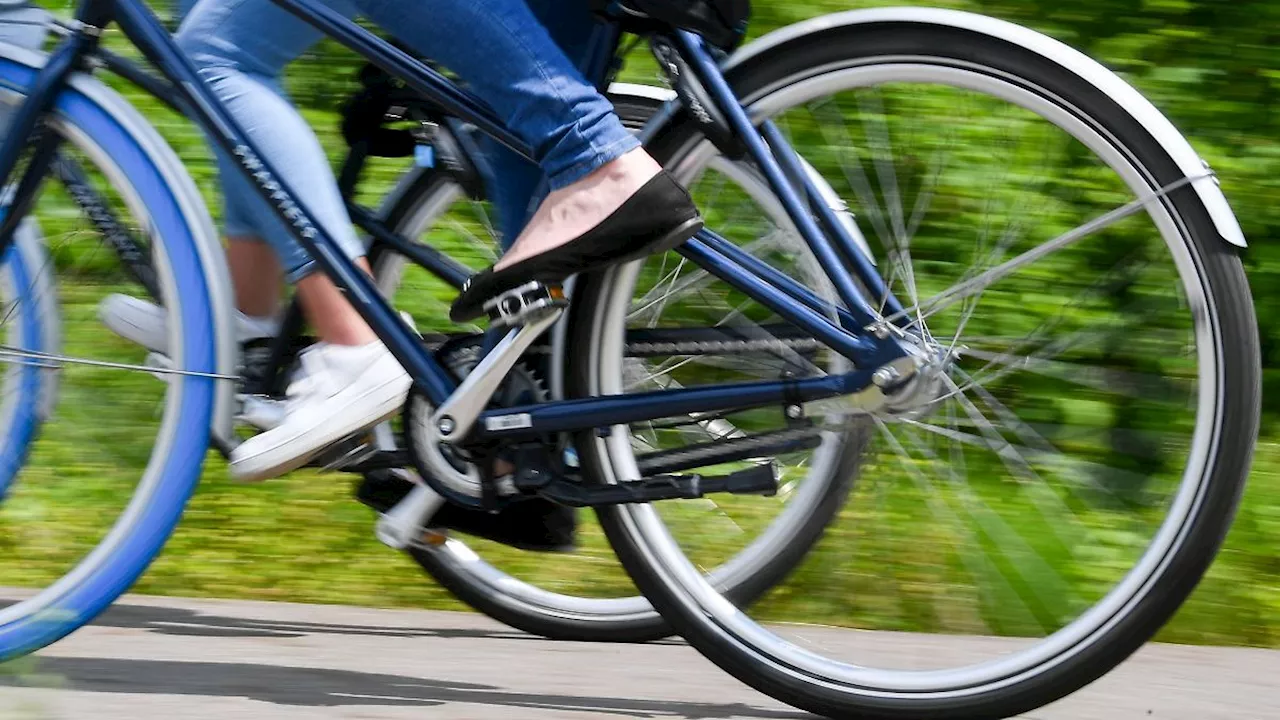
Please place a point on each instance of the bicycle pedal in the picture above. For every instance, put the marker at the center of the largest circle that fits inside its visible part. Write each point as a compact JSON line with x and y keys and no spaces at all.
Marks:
{"x":525,"y":304}
{"x":348,"y":452}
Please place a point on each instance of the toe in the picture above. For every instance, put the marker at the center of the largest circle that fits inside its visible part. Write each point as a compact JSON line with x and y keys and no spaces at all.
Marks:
{"x":470,"y":301}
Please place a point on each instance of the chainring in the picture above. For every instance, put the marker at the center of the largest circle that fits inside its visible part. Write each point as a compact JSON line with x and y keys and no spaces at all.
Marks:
{"x":524,"y":385}
{"x":444,"y":467}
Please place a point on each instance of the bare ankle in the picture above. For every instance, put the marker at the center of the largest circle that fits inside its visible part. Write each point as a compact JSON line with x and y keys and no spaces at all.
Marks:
{"x":334,"y":319}
{"x":630,"y":167}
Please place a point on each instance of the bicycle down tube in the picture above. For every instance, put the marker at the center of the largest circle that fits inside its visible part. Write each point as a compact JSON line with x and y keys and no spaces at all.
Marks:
{"x":146,"y":32}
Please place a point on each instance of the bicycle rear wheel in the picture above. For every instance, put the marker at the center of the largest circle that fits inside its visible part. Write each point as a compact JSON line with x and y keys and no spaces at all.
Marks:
{"x":1057,"y":489}
{"x":105,"y":480}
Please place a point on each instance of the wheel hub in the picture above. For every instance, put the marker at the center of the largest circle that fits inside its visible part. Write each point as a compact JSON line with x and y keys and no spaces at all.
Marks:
{"x":921,"y":392}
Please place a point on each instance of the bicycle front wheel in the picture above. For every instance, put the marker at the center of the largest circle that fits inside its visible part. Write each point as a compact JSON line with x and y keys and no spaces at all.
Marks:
{"x":1070,"y":465}
{"x":103,"y":480}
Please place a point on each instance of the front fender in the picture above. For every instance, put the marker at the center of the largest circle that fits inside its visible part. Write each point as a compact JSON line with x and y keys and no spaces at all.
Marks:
{"x":1085,"y":68}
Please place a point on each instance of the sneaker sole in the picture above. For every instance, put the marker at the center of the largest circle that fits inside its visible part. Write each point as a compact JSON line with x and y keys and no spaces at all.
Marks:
{"x":254,"y":468}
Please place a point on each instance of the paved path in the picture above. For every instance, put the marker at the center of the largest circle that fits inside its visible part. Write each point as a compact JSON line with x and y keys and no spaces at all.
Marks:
{"x":164,"y":658}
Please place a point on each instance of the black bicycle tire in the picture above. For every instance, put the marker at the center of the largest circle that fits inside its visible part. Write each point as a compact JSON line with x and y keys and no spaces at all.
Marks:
{"x":1220,"y":267}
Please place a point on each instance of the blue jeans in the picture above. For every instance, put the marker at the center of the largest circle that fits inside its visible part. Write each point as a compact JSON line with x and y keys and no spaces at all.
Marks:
{"x":515,"y":185}
{"x":535,"y":90}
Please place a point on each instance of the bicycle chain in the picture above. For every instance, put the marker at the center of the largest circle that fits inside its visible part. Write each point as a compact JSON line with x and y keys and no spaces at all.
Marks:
{"x":725,"y":346}
{"x":724,"y":447}
{"x":255,"y":358}
{"x":709,"y":346}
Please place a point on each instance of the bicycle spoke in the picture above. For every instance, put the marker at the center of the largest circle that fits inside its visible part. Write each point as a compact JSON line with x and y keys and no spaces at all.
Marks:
{"x":872,"y":112}
{"x":860,"y":182}
{"x":958,"y":292}
{"x":1010,"y":237}
{"x":1107,"y":380}
{"x":1036,"y":574}
{"x":979,"y":566}
{"x":53,"y":361}
{"x":1084,"y":473}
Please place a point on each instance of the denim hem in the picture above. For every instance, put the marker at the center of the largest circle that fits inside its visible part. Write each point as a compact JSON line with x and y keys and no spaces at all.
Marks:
{"x":232,"y":229}
{"x":602,"y":156}
{"x":307,"y":268}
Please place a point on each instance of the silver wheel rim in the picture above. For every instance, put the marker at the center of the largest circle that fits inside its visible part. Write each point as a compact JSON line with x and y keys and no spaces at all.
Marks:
{"x":666,"y":559}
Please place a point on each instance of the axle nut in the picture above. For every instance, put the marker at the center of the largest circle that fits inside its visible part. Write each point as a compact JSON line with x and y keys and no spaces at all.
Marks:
{"x":446,"y":425}
{"x":885,"y":376}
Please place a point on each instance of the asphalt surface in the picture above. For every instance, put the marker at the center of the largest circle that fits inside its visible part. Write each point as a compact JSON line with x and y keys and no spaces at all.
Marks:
{"x":167,"y":658}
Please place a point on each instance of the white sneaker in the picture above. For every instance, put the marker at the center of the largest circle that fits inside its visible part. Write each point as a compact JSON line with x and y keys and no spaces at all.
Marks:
{"x":145,"y":323}
{"x":339,"y":391}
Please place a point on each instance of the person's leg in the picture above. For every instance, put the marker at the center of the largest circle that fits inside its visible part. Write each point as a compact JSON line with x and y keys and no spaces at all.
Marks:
{"x":255,"y":275}
{"x":514,"y":184}
{"x":349,"y":381}
{"x":255,"y":272}
{"x":255,"y":269}
{"x":329,"y":312}
{"x":595,"y":168}
{"x":539,"y":94}
{"x":242,"y":63}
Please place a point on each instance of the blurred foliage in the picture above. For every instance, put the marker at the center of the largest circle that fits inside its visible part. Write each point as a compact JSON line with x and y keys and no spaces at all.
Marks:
{"x":1210,"y":65}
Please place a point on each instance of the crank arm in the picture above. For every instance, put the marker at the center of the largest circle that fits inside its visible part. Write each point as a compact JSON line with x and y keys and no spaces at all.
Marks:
{"x":403,"y":524}
{"x":456,"y":416}
{"x":759,"y":480}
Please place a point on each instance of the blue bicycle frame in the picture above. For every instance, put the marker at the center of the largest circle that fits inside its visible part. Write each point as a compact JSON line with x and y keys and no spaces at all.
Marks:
{"x":855,"y":330}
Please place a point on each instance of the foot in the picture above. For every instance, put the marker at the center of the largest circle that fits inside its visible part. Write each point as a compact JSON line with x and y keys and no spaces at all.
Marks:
{"x":341,"y":390}
{"x":573,"y":210}
{"x":657,"y":217}
{"x":146,"y":323}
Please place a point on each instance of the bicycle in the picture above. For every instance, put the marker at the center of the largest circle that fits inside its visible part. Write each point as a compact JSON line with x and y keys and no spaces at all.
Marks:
{"x":849,"y":359}
{"x":421,"y":200}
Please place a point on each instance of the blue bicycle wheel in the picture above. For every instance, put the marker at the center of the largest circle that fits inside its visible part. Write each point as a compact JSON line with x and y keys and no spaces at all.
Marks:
{"x":31,"y":323}
{"x":94,"y":495}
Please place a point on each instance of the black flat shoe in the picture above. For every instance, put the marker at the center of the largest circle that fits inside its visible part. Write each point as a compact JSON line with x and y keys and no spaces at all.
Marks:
{"x":657,"y":218}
